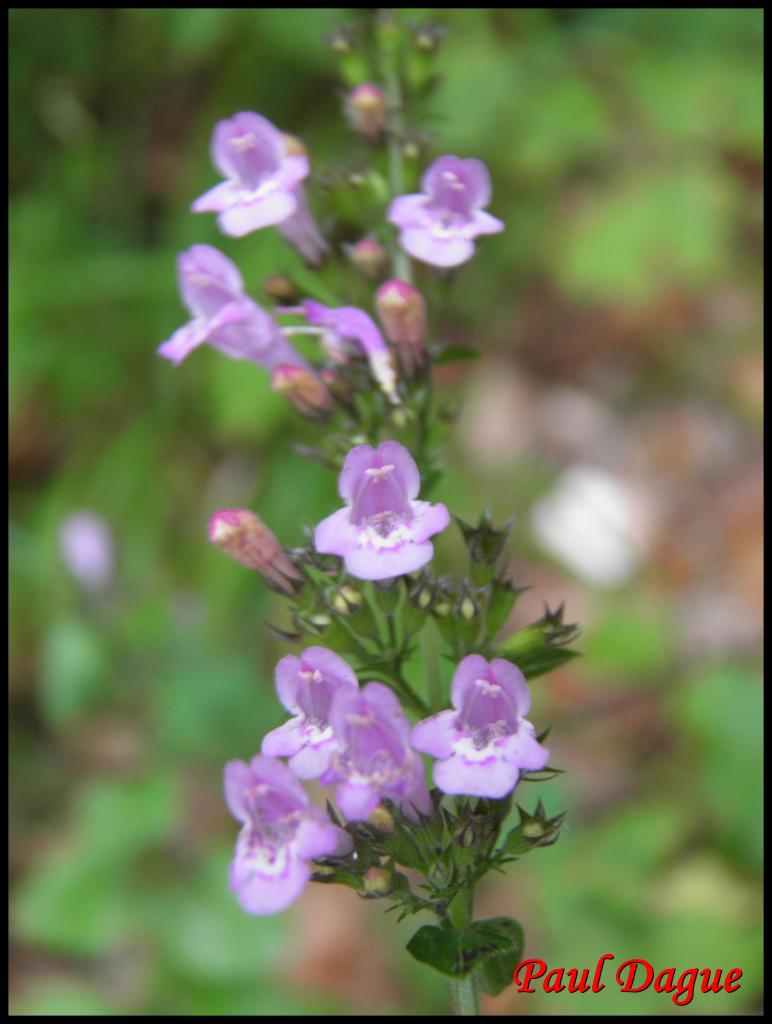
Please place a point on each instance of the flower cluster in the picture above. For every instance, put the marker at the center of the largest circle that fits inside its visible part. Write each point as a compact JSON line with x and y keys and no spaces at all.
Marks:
{"x":362,"y":597}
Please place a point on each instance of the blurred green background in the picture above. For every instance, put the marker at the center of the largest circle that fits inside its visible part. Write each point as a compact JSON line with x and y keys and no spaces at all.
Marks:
{"x":619,"y":320}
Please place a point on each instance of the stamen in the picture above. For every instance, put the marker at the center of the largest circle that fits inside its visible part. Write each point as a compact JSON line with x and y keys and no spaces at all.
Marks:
{"x":378,"y":473}
{"x":491,"y":689}
{"x":244,"y":142}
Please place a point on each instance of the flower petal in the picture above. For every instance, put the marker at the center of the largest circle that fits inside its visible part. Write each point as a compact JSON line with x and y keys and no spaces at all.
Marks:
{"x":320,"y":838}
{"x":336,"y":535}
{"x":439,"y":252}
{"x":284,"y":741}
{"x":472,"y":667}
{"x":269,"y":893}
{"x":237,"y":780}
{"x":436,"y":735}
{"x":509,"y":675}
{"x":312,"y":760}
{"x":429,"y":519}
{"x":368,"y":563}
{"x":493,"y":777}
{"x":408,"y":211}
{"x":357,"y":800}
{"x":251,"y":214}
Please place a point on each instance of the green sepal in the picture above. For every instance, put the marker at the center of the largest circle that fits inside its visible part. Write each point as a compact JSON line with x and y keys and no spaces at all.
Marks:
{"x":540,"y":647}
{"x":534,"y":830}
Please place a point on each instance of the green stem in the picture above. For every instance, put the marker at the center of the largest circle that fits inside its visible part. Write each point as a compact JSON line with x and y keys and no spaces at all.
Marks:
{"x":430,"y":646}
{"x":396,"y":156}
{"x":464,"y":990}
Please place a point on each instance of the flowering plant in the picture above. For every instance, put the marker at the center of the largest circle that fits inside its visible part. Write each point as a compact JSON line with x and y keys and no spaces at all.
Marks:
{"x":361,"y":594}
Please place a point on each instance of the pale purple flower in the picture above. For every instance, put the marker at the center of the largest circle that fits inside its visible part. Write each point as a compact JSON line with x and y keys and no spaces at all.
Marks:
{"x":384,"y":529}
{"x":223,"y":316}
{"x":484,"y":744}
{"x":347,"y":328}
{"x":306,"y":687}
{"x":261,"y":174}
{"x":281,"y":834}
{"x":439,"y":224}
{"x":300,"y":230}
{"x":374,"y":760}
{"x":86,"y":547}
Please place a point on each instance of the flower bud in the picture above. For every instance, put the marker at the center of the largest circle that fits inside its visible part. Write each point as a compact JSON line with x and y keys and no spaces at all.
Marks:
{"x":281,"y":290}
{"x":377,"y":882}
{"x":426,"y":38}
{"x":402,"y":311}
{"x":304,"y":390}
{"x":381,"y":819}
{"x":242,"y":535}
{"x":369,"y":257}
{"x":366,"y":110}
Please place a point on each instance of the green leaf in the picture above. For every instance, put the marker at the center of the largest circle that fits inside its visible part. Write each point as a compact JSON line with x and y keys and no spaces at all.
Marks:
{"x":496,"y":971}
{"x":495,"y":944}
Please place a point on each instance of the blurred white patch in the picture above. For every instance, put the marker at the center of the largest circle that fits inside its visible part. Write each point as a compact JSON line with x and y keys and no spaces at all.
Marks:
{"x":595,"y":524}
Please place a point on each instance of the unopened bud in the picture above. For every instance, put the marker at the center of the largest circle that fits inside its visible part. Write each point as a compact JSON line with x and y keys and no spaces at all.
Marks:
{"x":369,"y":257}
{"x":352,"y":596}
{"x":304,"y":390}
{"x":340,"y":42}
{"x":467,"y":608}
{"x":293,"y":146}
{"x":281,"y":289}
{"x":366,"y":110}
{"x":402,"y":311}
{"x":533,"y":829}
{"x":377,"y":882}
{"x":381,"y":819}
{"x":242,"y":535}
{"x":426,"y":38}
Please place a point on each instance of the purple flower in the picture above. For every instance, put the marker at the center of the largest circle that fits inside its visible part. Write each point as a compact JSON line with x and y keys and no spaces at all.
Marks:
{"x":223,"y":315}
{"x":86,"y":546}
{"x":281,"y":833}
{"x":486,"y":742}
{"x":439,"y":224}
{"x":348,"y":327}
{"x":306,"y":687}
{"x":374,"y":760}
{"x":261,"y":175}
{"x":383,"y":531}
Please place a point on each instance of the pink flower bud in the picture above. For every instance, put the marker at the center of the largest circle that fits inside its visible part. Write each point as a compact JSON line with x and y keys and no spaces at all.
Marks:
{"x":242,"y":535}
{"x":366,"y":110}
{"x":402,"y":311}
{"x":304,"y":390}
{"x":370,"y":258}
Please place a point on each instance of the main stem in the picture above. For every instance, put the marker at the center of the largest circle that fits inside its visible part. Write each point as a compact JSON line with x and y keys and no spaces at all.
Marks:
{"x":464,"y":990}
{"x":396,"y":155}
